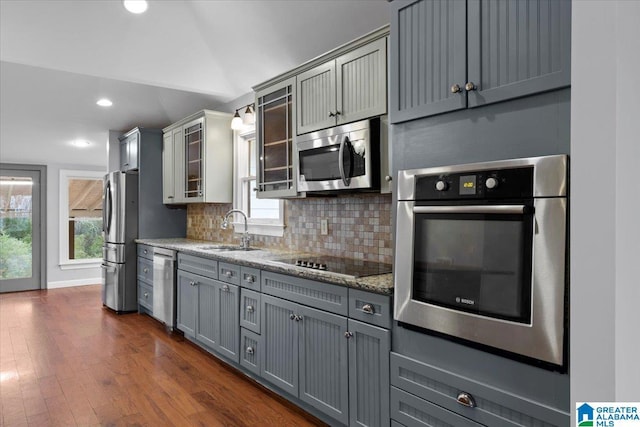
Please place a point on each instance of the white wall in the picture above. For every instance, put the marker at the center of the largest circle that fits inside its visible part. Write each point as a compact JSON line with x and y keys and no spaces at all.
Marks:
{"x":605,"y":201}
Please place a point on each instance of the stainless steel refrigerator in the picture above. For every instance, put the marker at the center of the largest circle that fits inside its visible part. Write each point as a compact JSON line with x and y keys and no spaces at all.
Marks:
{"x":120,"y":228}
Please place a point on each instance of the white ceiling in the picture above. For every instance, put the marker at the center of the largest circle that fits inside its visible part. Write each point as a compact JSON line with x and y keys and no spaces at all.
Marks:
{"x":59,"y":57}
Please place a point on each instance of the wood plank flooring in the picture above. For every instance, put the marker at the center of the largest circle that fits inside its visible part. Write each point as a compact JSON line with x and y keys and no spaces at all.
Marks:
{"x":66,"y":361}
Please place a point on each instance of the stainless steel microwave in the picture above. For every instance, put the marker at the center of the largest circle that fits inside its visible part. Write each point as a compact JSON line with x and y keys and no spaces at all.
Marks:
{"x":482,"y":255}
{"x":346,"y":157}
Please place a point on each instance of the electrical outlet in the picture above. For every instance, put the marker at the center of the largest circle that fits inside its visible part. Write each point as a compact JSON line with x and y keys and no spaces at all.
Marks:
{"x":324,"y":227}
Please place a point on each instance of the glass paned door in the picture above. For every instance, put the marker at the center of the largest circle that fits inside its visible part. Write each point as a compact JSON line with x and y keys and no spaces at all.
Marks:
{"x":20,"y":233}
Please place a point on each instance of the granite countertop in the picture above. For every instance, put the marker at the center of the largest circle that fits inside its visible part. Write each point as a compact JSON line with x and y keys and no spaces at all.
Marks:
{"x":264,"y":258}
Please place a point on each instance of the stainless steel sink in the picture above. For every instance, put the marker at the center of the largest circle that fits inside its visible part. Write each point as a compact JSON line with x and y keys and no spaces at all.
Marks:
{"x":224,"y":248}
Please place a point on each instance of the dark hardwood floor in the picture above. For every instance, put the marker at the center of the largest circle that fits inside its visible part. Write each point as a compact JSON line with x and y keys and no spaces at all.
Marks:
{"x":65,"y":360}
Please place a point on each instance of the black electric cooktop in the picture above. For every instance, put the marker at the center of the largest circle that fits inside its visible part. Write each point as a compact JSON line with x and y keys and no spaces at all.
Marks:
{"x":333,"y":264}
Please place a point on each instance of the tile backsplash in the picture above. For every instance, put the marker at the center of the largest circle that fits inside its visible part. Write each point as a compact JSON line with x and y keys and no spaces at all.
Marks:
{"x":359,"y":226}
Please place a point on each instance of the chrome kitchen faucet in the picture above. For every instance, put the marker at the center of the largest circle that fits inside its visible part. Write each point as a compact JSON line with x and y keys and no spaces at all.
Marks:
{"x":245,"y":240}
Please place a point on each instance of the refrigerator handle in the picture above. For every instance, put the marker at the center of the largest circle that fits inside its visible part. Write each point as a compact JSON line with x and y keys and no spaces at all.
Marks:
{"x":106,"y":212}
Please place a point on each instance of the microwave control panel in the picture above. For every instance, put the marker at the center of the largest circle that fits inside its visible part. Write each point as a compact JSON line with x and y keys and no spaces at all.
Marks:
{"x":514,"y":183}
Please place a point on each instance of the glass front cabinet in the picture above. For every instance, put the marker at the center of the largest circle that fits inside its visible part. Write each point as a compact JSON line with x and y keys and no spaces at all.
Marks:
{"x":277,"y":163}
{"x":197,"y":159}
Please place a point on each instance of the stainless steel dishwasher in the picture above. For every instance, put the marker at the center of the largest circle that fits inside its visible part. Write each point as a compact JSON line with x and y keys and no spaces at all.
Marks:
{"x":164,"y":286}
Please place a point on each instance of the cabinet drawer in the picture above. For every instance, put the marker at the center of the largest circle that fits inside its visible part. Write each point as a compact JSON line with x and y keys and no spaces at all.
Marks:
{"x":250,"y":278}
{"x":145,"y":251}
{"x":145,"y":295}
{"x":250,"y":310}
{"x":229,"y":273}
{"x":493,"y":407}
{"x":202,"y":266}
{"x":145,"y":270}
{"x":322,"y":296}
{"x":250,"y":345}
{"x":370,"y":308}
{"x":412,"y":411}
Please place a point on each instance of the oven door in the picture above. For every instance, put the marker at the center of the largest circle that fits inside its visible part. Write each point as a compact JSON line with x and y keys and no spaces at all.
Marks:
{"x":490,"y":274}
{"x":336,"y":162}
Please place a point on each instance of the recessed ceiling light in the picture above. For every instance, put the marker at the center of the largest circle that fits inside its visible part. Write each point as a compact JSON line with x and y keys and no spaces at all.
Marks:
{"x":104,"y":102}
{"x":135,"y":6}
{"x":81,"y":143}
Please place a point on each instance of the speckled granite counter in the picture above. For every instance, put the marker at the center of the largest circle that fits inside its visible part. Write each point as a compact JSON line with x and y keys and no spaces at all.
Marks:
{"x":265,"y":259}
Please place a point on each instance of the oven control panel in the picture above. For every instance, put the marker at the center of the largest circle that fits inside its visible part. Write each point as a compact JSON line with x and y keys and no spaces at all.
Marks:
{"x":487,"y":184}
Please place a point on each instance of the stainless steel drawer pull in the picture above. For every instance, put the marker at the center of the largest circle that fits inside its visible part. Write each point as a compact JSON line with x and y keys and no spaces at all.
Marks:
{"x":368,"y":308}
{"x":465,"y":399}
{"x":250,"y":350}
{"x":298,"y":318}
{"x":225,"y":288}
{"x":292,"y":316}
{"x":146,"y":270}
{"x":228,"y":274}
{"x":146,"y":251}
{"x":250,"y":308}
{"x":249,"y":279}
{"x":146,"y":294}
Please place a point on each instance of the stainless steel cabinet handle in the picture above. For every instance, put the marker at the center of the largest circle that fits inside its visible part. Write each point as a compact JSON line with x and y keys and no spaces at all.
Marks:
{"x":348,"y":334}
{"x":225,"y":288}
{"x":193,"y":283}
{"x":146,"y":294}
{"x":465,"y":399}
{"x":228,"y":274}
{"x":456,"y":88}
{"x":298,"y":318}
{"x":388,"y":178}
{"x":338,"y":113}
{"x":292,"y":316}
{"x":368,"y":308}
{"x":331,"y":114}
{"x":168,"y":197}
{"x":146,"y":270}
{"x":145,"y":251}
{"x":249,"y":279}
{"x":250,"y":350}
{"x":470,"y":86}
{"x":250,"y":308}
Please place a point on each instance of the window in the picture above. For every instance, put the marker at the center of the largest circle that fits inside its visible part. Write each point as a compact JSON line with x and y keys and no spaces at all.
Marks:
{"x":81,"y":237}
{"x":265,"y":216}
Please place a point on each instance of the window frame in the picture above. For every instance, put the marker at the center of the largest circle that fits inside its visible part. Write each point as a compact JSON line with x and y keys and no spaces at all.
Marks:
{"x":258,"y":226}
{"x":64,"y":262}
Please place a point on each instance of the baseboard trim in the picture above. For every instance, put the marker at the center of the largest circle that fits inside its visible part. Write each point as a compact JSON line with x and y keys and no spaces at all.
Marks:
{"x":71,"y":283}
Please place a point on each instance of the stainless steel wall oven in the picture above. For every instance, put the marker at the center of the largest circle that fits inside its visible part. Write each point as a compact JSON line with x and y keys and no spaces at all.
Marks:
{"x":485,"y":247}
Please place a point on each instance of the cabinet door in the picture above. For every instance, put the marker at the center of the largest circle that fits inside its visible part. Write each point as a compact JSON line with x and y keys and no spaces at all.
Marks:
{"x":187,"y":295}
{"x":279,"y":357}
{"x":369,"y":348}
{"x":316,"y":100}
{"x":124,"y":155}
{"x":228,"y":320}
{"x":324,"y":362}
{"x":428,"y":58}
{"x":193,"y":149}
{"x":207,"y":314}
{"x":178,"y":165}
{"x":361,"y":79}
{"x":168,"y":176}
{"x":276,"y":155}
{"x":517,"y":48}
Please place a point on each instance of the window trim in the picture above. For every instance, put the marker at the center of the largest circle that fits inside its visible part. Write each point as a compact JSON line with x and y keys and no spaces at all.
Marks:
{"x":64,"y":262}
{"x":264,"y":227}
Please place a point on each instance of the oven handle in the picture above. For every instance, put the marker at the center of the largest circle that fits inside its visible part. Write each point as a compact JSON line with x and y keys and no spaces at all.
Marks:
{"x":482,"y":209}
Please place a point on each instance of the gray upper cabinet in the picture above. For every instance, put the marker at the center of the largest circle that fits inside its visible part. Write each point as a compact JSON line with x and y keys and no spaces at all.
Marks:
{"x":129,"y":147}
{"x":451,"y":55}
{"x":277,"y":171}
{"x":349,"y":88}
{"x":201,"y":168}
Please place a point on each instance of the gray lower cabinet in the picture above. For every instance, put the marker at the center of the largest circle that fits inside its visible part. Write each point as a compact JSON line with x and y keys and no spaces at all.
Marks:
{"x":208,"y":310}
{"x":369,"y":348}
{"x":449,"y":55}
{"x":422,"y":393}
{"x":305,"y":353}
